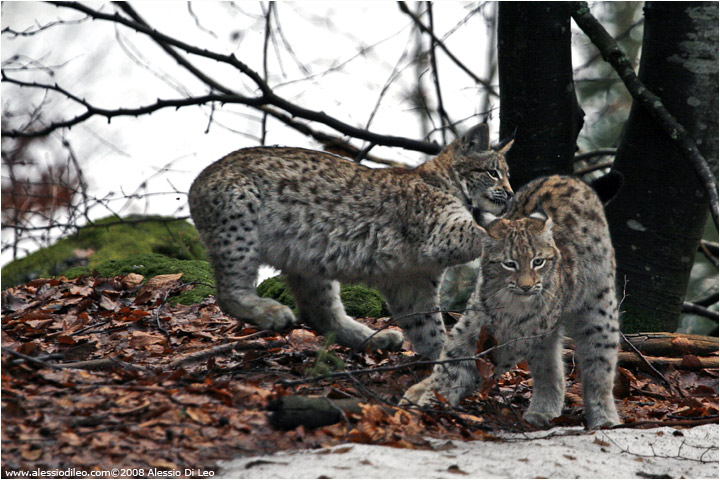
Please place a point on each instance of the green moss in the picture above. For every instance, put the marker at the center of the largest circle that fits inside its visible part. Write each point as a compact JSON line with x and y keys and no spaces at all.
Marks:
{"x":359,"y":301}
{"x":150,"y":265}
{"x":142,"y":235}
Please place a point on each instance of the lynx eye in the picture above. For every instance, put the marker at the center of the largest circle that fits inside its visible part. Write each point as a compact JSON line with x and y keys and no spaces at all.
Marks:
{"x":538,"y":262}
{"x":509,"y":265}
{"x":494,"y":174}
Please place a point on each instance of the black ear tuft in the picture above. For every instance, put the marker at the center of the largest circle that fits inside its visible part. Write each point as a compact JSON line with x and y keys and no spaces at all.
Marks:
{"x":608,"y":186}
{"x":477,"y":138}
{"x":506,"y":143}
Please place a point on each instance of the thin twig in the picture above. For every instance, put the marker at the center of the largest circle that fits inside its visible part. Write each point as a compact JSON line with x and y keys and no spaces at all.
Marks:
{"x":651,"y":367}
{"x":99,"y":364}
{"x":444,"y":118}
{"x":416,"y":363}
{"x":485,"y":83}
{"x":703,"y":247}
{"x":216,"y":350}
{"x":266,"y":43}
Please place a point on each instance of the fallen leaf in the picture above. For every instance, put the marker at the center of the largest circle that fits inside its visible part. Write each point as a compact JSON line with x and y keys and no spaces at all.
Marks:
{"x":30,"y":452}
{"x":132,"y":280}
{"x":198,"y":415}
{"x":141,"y":340}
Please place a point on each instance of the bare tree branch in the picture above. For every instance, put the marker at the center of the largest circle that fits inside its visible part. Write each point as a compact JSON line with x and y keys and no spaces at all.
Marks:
{"x":267,"y":95}
{"x":612,"y":53}
{"x":696,"y":309}
{"x":444,"y":118}
{"x":485,"y":83}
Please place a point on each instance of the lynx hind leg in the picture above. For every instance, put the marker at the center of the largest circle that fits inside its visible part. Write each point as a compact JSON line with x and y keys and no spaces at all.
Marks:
{"x":318,"y":301}
{"x":453,"y":380}
{"x":596,"y":335}
{"x":228,"y":226}
{"x":415,"y":309}
{"x":546,"y":367}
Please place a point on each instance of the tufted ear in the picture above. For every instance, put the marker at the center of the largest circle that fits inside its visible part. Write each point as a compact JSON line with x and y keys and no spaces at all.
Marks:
{"x":477,"y":139}
{"x":503,"y":147}
{"x":539,"y":213}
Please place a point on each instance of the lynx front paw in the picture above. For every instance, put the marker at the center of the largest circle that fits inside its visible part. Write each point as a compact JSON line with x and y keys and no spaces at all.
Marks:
{"x":539,"y":419}
{"x":415,"y":393}
{"x":386,"y":340}
{"x":274,"y":316}
{"x":602,"y":421}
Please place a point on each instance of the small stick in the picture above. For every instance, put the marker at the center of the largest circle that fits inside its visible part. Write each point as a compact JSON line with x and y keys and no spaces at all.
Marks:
{"x":650,"y":365}
{"x":217,"y":350}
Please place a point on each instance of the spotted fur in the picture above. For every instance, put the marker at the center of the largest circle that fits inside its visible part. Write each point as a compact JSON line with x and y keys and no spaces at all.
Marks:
{"x":320,"y":218}
{"x":548,"y":268}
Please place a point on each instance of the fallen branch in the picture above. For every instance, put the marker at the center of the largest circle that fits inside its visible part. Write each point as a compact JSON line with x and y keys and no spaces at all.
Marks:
{"x":631,"y":359}
{"x":647,"y":363}
{"x":99,"y":364}
{"x":690,"y":422}
{"x":218,"y":350}
{"x":614,"y":55}
{"x":292,"y":411}
{"x":670,"y":344}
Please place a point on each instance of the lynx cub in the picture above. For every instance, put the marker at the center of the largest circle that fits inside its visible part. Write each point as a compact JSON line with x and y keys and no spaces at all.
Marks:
{"x":541,"y":273}
{"x":320,"y":218}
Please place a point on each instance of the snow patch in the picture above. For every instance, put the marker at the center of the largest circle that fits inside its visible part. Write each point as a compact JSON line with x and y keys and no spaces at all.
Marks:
{"x":561,"y":452}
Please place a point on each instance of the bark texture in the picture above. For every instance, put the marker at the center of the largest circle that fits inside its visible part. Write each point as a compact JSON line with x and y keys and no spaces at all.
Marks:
{"x":657,"y":219}
{"x":537,"y":96}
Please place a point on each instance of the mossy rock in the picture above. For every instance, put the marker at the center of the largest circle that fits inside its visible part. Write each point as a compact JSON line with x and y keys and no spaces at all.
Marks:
{"x":359,"y":300}
{"x":108,"y":240}
{"x":150,"y":265}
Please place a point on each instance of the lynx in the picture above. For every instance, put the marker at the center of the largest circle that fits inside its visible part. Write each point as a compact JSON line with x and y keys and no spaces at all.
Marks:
{"x":541,"y":273}
{"x":321,"y":219}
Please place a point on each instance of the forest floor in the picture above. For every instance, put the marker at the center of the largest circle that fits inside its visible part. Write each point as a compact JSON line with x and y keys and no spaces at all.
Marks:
{"x":102,"y":374}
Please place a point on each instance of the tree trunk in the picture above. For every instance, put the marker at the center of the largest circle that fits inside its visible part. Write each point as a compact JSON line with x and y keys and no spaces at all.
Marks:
{"x":537,"y":95}
{"x":657,"y":219}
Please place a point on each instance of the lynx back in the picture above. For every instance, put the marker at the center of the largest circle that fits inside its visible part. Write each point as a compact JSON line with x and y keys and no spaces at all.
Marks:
{"x":320,"y":218}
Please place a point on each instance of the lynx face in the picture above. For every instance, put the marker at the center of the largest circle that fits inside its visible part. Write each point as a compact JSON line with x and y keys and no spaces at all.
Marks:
{"x":520,"y":263}
{"x":483,"y":173}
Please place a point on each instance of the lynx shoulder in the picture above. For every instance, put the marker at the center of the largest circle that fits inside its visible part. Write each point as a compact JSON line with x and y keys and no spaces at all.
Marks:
{"x":320,"y":218}
{"x":548,"y":268}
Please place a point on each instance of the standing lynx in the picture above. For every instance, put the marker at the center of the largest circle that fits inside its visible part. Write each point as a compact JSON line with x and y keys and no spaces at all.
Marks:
{"x":541,"y":274}
{"x":320,"y":218}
